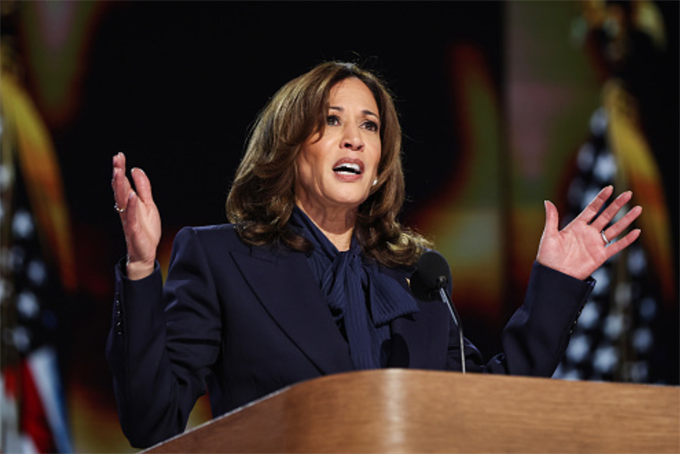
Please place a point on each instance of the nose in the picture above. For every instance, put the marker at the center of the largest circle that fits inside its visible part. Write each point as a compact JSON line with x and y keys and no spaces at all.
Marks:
{"x":352,"y":139}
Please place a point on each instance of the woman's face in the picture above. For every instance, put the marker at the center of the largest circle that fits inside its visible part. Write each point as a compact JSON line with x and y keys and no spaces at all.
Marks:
{"x":336,"y":167}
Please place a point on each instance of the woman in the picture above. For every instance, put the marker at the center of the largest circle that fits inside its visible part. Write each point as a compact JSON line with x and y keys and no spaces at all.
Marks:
{"x":312,"y":275}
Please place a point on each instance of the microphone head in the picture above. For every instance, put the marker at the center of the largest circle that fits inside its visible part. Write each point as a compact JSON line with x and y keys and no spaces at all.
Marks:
{"x":432,"y":273}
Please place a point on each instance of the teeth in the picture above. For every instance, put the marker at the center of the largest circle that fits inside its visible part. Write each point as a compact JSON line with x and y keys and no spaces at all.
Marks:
{"x":348,"y":168}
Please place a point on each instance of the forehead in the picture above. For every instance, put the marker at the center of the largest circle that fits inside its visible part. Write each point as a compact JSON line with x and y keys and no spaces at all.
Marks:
{"x":352,"y":92}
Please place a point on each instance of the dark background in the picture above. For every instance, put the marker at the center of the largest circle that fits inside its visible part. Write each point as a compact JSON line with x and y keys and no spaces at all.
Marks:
{"x":177,"y":85}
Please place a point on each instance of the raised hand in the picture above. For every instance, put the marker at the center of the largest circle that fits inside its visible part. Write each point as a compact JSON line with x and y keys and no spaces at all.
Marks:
{"x":585,"y":244}
{"x":139,"y":216}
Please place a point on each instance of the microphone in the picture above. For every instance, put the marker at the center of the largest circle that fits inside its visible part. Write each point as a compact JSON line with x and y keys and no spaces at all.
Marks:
{"x":429,"y":281}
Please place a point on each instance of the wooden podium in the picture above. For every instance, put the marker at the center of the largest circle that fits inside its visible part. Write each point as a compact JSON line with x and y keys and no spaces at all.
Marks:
{"x":409,"y":411}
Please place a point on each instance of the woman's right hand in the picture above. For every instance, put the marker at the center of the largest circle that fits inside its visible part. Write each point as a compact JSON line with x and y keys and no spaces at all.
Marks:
{"x":139,"y":216}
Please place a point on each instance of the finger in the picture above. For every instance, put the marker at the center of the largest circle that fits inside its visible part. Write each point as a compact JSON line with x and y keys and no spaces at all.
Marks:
{"x":142,"y":184}
{"x":594,"y":206}
{"x":119,"y":161}
{"x":118,"y":167}
{"x":121,"y":188}
{"x":623,"y":223}
{"x":618,"y":246}
{"x":120,"y":183}
{"x":608,"y":214}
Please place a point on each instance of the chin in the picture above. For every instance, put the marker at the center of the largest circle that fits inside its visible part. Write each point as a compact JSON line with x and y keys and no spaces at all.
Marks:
{"x":352,"y":201}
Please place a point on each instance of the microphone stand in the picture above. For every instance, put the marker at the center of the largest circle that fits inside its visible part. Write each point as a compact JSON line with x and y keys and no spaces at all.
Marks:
{"x":441,"y":283}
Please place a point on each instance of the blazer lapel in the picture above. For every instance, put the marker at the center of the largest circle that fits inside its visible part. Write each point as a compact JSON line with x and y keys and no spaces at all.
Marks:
{"x":284,"y":285}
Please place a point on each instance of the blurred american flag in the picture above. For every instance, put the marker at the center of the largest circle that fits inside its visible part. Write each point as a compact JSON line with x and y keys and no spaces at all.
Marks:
{"x":615,"y":339}
{"x":36,"y":275}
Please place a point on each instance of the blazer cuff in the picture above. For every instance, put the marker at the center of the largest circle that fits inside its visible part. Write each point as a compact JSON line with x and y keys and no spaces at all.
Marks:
{"x":146,"y":290}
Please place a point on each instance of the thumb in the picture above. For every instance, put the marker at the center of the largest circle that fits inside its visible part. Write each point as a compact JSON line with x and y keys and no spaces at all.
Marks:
{"x":551,"y":217}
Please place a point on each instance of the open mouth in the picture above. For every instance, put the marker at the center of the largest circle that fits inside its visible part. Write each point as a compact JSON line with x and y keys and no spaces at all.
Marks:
{"x":348,"y":167}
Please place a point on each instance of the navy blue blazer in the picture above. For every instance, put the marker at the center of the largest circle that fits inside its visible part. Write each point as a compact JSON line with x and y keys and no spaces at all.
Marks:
{"x":246,"y":321}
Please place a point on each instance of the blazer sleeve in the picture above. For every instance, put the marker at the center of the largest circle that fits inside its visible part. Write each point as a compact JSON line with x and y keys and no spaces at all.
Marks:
{"x":536,"y":337}
{"x":162,"y":343}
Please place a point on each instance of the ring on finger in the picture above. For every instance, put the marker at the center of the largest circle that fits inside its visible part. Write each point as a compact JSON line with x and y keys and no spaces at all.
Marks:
{"x":604,"y":237}
{"x":115,"y":207}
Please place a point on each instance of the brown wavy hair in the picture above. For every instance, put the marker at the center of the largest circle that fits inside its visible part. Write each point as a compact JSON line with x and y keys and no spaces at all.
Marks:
{"x":261,"y":199}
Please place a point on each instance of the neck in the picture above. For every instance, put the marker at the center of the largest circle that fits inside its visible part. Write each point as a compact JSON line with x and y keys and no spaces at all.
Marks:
{"x":337,"y":225}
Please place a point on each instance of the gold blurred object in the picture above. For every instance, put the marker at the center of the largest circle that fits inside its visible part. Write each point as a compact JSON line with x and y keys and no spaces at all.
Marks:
{"x":27,"y":148}
{"x":638,"y":170}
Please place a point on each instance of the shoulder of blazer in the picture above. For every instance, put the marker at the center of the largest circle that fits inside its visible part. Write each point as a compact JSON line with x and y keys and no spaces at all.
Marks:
{"x":225,"y":235}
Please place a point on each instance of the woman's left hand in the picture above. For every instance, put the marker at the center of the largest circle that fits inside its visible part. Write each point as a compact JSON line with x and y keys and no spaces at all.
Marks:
{"x":580,"y":248}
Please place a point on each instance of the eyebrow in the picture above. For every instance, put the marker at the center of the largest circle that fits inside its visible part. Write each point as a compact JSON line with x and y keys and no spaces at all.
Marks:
{"x":365,"y":111}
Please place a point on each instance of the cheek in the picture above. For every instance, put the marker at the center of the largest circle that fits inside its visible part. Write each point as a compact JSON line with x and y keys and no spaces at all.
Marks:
{"x":307,"y":169}
{"x":314,"y":158}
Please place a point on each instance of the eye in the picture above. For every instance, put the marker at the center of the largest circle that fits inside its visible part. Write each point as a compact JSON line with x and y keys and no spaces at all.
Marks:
{"x":332,"y":120}
{"x":371,"y":125}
